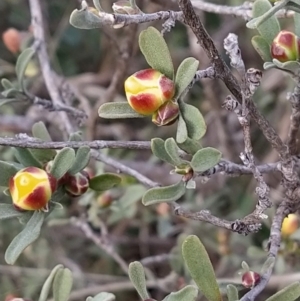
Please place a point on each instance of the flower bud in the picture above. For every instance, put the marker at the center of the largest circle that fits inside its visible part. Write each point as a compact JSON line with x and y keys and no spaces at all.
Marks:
{"x":124,"y":7}
{"x":250,"y":279}
{"x":104,"y":200}
{"x":78,"y":184}
{"x":166,"y":114}
{"x":290,"y":224}
{"x":147,"y":90}
{"x":12,"y":40}
{"x":285,"y":47}
{"x":31,"y":188}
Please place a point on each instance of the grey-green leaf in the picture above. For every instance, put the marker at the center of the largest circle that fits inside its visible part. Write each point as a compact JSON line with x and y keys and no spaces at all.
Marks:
{"x":77,"y":136}
{"x":62,"y":162}
{"x":85,"y":18}
{"x":291,"y":66}
{"x":8,"y":170}
{"x":290,"y":293}
{"x":158,"y":150}
{"x":194,"y":121}
{"x":156,"y":51}
{"x":26,"y":158}
{"x":7,"y":101}
{"x":28,"y":235}
{"x":182,"y":132}
{"x":185,"y":74}
{"x":118,"y":110}
{"x":205,"y":159}
{"x":297,"y":23}
{"x":104,"y":182}
{"x":6,"y":84}
{"x":62,"y":285}
{"x":232,"y":293}
{"x":173,"y":151}
{"x":190,"y":146}
{"x":164,"y":194}
{"x":270,"y":27}
{"x":262,"y":48}
{"x":40,"y":131}
{"x":137,"y":276}
{"x":81,"y":160}
{"x":8,"y":211}
{"x":188,"y":293}
{"x":48,"y":283}
{"x":200,"y":268}
{"x":102,"y":297}
{"x":21,"y":65}
{"x":268,"y":264}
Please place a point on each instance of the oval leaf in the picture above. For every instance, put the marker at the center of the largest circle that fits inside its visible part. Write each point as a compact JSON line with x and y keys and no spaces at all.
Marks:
{"x":190,"y":146}
{"x":164,"y":194}
{"x":156,"y":51}
{"x":25,"y":157}
{"x":8,"y":211}
{"x":262,"y":48}
{"x":7,"y":100}
{"x":81,"y":160}
{"x":62,"y":162}
{"x":137,"y":276}
{"x":48,"y":283}
{"x":158,"y":150}
{"x":185,"y":74}
{"x":6,"y":84}
{"x":290,"y":293}
{"x":21,"y":65}
{"x":85,"y":18}
{"x":200,"y":268}
{"x":104,"y":182}
{"x":102,"y":297}
{"x":188,"y":293}
{"x":297,"y":23}
{"x":292,"y":66}
{"x":232,"y":293}
{"x":268,"y":264}
{"x":195,"y":123}
{"x":62,"y":285}
{"x":205,"y":159}
{"x":77,"y":136}
{"x":182,"y":132}
{"x":8,"y":170}
{"x":40,"y":131}
{"x":118,"y":110}
{"x":28,"y":235}
{"x":172,"y":149}
{"x":270,"y":27}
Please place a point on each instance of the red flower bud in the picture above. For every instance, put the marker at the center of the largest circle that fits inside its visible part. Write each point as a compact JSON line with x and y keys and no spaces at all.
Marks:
{"x":12,"y":40}
{"x":285,"y":47}
{"x":78,"y":184}
{"x":31,"y":188}
{"x":147,"y":90}
{"x":166,"y":114}
{"x":250,"y":279}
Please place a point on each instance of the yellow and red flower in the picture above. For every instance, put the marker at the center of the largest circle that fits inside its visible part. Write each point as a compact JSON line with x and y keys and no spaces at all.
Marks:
{"x":285,"y":47}
{"x":147,"y":90}
{"x":31,"y":188}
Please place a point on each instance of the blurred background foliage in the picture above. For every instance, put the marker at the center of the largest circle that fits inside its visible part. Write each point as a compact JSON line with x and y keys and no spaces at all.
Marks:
{"x":87,"y":60}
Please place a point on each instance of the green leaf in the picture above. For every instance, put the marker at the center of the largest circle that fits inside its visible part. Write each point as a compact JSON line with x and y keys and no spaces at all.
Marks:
{"x":291,"y":66}
{"x":156,"y":51}
{"x":270,"y":27}
{"x":13,"y":93}
{"x":8,"y":170}
{"x":104,"y":182}
{"x":200,"y":268}
{"x":62,"y":162}
{"x":188,"y":293}
{"x":6,"y":84}
{"x":118,"y":110}
{"x":77,"y":136}
{"x":182,"y":132}
{"x":7,"y":101}
{"x":164,"y":194}
{"x":205,"y":159}
{"x":190,"y":146}
{"x":297,"y":23}
{"x":40,"y":131}
{"x":137,"y":276}
{"x":232,"y":293}
{"x":185,"y":74}
{"x":159,"y":150}
{"x":268,"y":264}
{"x":48,"y":283}
{"x":21,"y":65}
{"x":262,"y":48}
{"x":102,"y":297}
{"x":81,"y":160}
{"x":85,"y":18}
{"x":28,"y":235}
{"x":194,"y":121}
{"x":25,"y":157}
{"x":8,"y":211}
{"x":62,"y":285}
{"x":173,"y":151}
{"x":290,"y":293}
